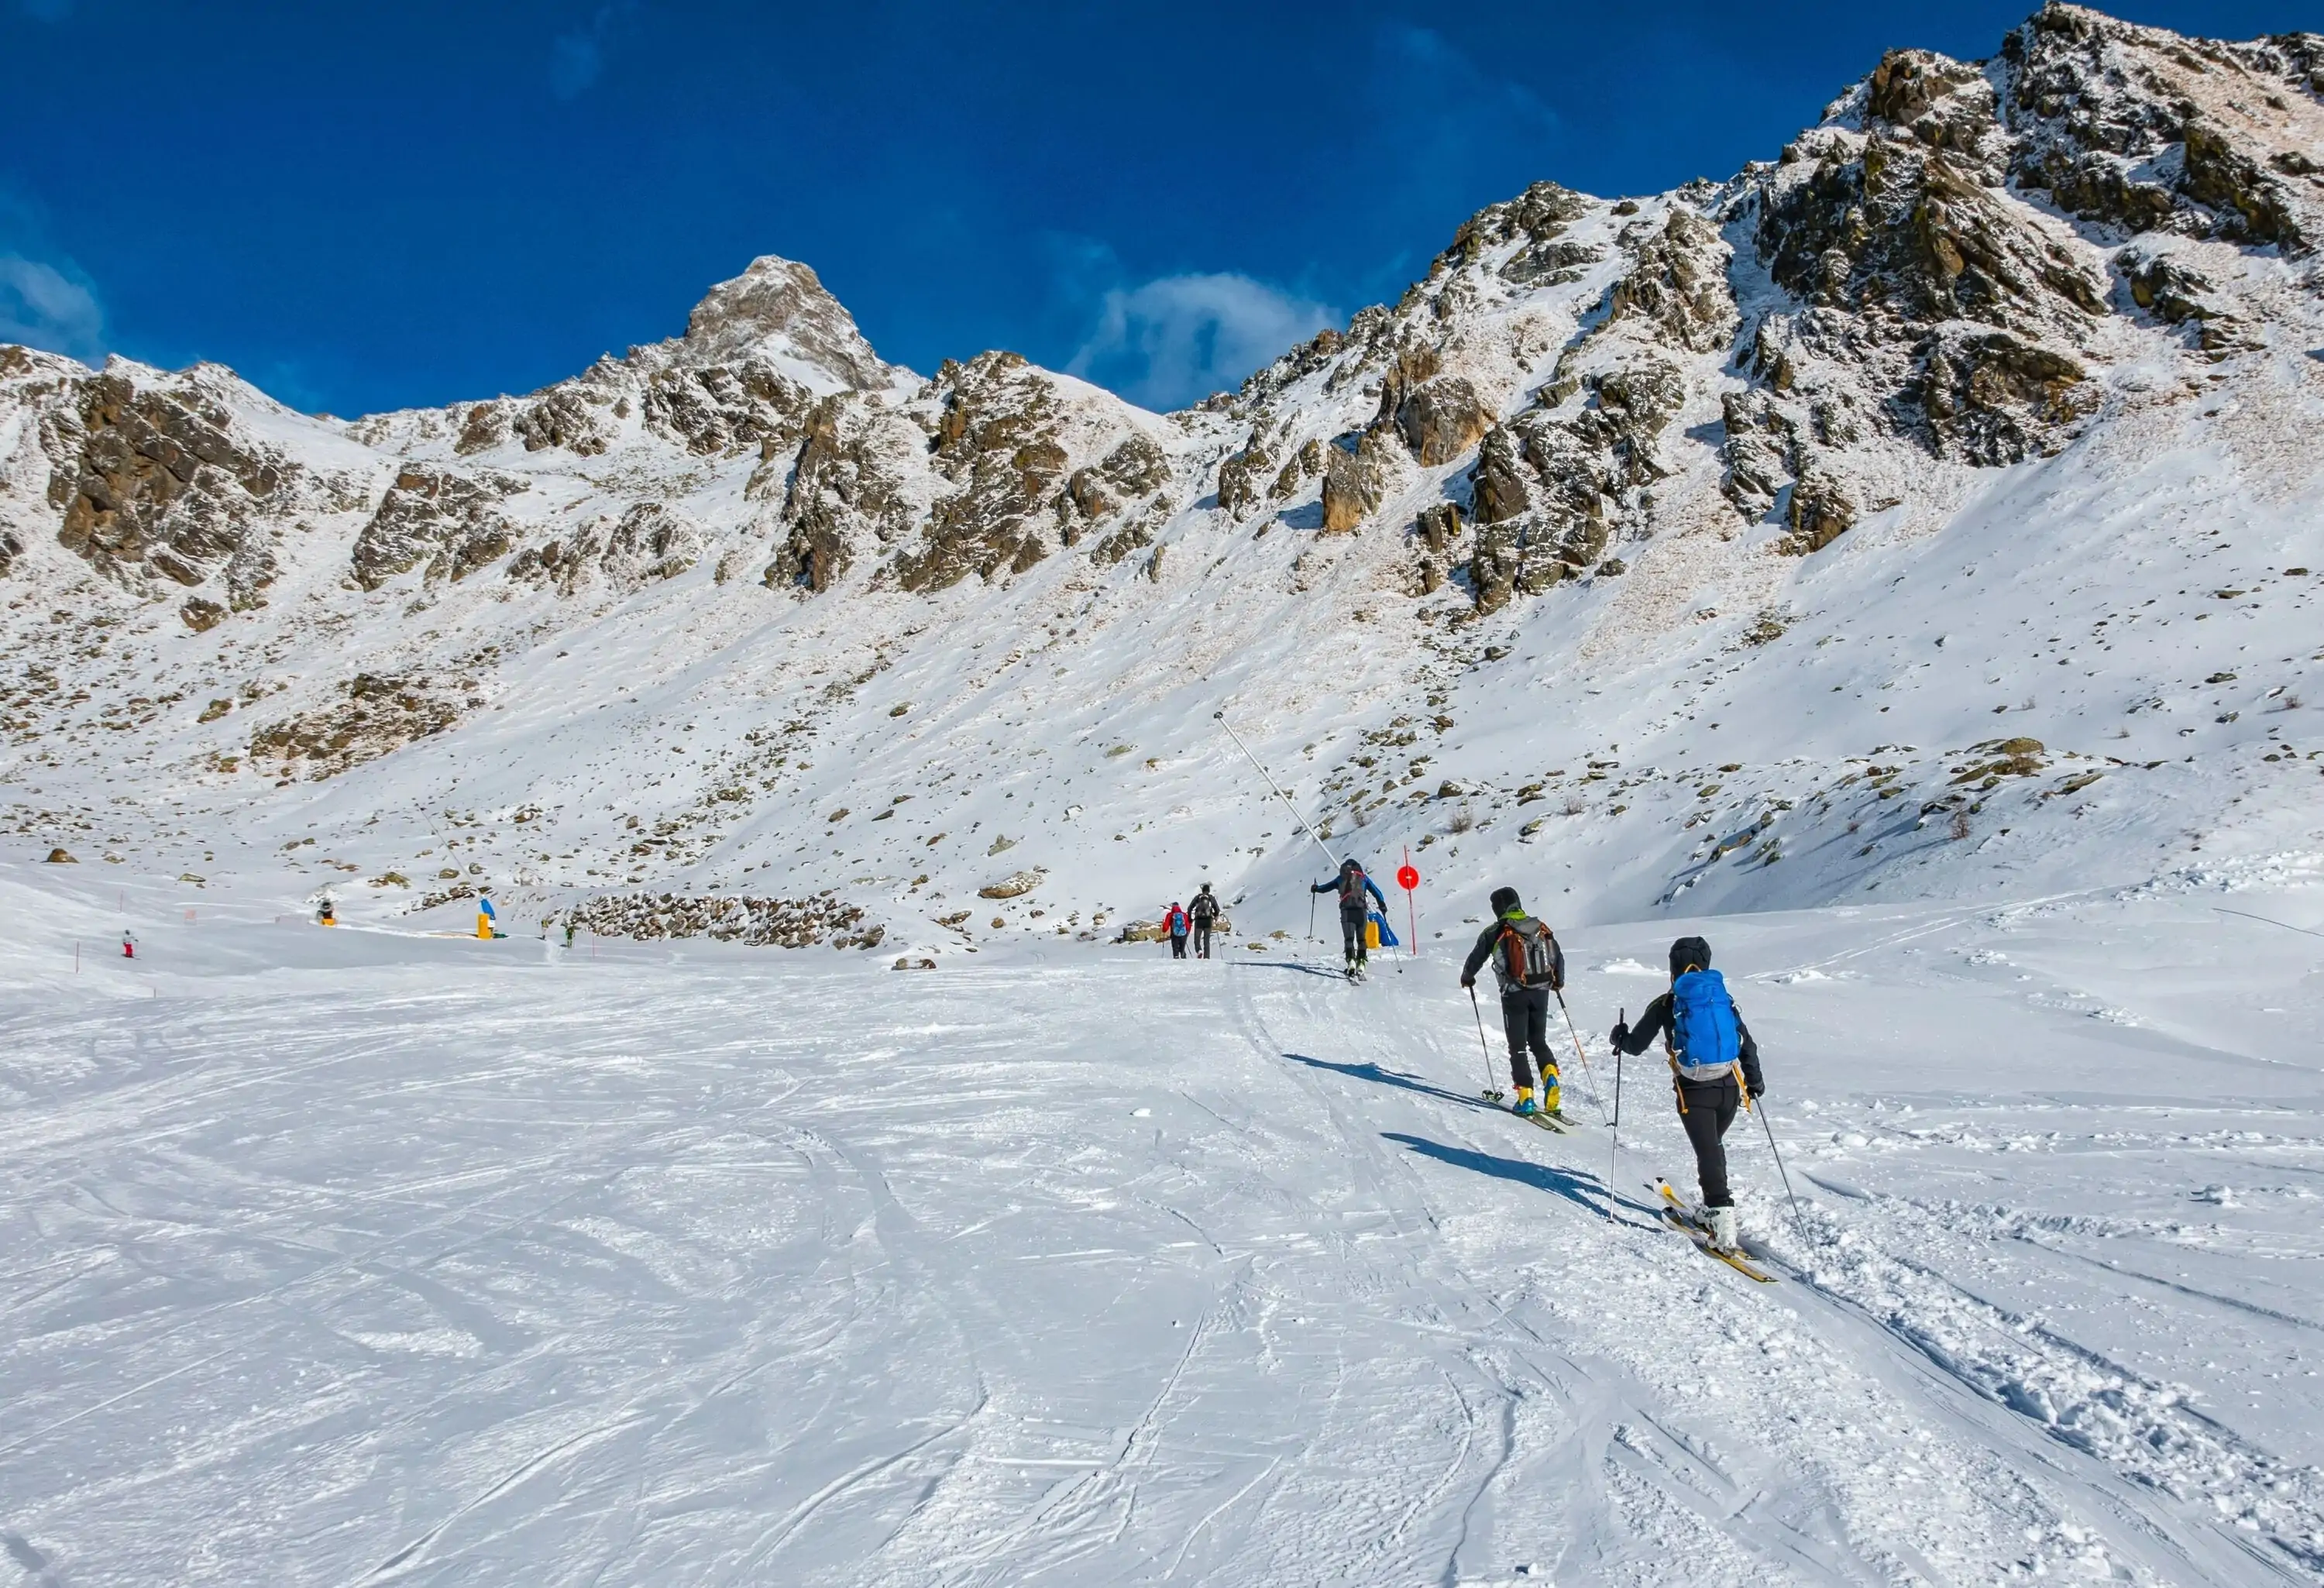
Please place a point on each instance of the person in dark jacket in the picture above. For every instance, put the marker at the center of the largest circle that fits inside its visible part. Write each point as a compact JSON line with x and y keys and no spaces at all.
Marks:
{"x":1530,"y":967}
{"x":1174,"y":922}
{"x":1709,"y":1094}
{"x":1205,"y":913}
{"x":1352,"y":885}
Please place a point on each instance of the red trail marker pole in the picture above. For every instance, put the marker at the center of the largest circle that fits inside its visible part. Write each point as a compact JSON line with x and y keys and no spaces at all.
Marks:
{"x":1408,"y":879}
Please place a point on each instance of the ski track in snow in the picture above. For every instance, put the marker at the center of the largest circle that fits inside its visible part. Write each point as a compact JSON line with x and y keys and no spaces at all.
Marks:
{"x":725,"y":1266}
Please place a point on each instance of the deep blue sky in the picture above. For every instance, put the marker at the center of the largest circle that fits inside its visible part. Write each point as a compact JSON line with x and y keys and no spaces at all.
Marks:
{"x":364,"y":205}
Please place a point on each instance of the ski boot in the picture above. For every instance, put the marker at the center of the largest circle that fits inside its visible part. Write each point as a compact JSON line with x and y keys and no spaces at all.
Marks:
{"x":1524,"y":1105}
{"x":1723,"y":1237}
{"x":1552,"y":1097}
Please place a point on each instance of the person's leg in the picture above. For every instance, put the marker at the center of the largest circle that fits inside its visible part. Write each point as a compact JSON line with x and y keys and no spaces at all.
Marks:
{"x":1536,"y":1035}
{"x":1513,"y":1020}
{"x":1710,"y":1110}
{"x":1352,"y":935}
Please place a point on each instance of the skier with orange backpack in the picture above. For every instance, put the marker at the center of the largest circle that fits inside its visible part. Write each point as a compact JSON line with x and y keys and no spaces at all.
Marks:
{"x":1530,"y":967}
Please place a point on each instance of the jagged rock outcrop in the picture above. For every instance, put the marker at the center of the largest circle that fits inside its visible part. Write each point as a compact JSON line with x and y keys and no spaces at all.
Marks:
{"x":650,"y":542}
{"x":451,"y":522}
{"x":153,"y":481}
{"x":2145,"y":130}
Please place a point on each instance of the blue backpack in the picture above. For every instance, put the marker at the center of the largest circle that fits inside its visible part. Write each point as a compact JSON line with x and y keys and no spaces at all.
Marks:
{"x":1706,"y":1035}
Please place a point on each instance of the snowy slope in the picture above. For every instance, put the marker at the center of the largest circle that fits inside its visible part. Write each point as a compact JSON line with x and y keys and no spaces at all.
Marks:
{"x":357,"y":1257}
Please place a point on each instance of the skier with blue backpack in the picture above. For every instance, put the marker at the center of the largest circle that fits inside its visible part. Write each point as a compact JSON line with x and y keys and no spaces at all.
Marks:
{"x":1714,"y":1068}
{"x":1353,"y":887}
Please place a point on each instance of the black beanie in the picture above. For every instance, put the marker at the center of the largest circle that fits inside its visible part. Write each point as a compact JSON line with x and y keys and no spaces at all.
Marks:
{"x":1689,"y":954}
{"x":1505,"y":899}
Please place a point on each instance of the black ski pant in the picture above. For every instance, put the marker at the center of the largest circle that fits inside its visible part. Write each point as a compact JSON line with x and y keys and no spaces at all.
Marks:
{"x":1706,"y":1108}
{"x":1177,"y":946}
{"x":1524,"y":1016}
{"x":1351,"y":931}
{"x":1202,"y":939}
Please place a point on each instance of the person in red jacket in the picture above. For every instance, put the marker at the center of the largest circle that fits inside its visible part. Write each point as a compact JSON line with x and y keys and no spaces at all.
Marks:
{"x":1175,"y":923}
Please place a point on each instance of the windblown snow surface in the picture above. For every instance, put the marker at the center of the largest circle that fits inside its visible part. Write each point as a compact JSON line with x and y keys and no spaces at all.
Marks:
{"x":366,"y":1257}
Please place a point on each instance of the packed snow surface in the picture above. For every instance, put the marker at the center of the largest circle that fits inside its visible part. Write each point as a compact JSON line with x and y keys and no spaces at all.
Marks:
{"x":352,"y":1256}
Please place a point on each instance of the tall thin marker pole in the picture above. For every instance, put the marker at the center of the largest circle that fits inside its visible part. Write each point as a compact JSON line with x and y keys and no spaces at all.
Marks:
{"x":1222,"y":718}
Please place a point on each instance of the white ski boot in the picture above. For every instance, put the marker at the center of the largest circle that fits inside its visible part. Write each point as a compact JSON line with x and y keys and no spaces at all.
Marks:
{"x":1722,"y":1228}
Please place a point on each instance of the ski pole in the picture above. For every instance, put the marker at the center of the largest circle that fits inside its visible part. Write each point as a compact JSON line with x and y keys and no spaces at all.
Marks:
{"x":1798,"y":1217}
{"x":1613,"y":1158}
{"x":1484,"y":1050}
{"x":1311,"y":915}
{"x":1596,"y":1100}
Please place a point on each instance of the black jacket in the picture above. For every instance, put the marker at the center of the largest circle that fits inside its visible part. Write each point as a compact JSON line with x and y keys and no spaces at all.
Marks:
{"x":1204,"y":909}
{"x":1657,"y":1023}
{"x":1490,"y":940}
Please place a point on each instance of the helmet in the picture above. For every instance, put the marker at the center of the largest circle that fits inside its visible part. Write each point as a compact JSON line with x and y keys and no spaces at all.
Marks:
{"x":1689,"y":954}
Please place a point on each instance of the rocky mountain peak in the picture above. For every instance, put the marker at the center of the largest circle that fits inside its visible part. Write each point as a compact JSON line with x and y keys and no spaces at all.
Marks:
{"x":778,"y":310}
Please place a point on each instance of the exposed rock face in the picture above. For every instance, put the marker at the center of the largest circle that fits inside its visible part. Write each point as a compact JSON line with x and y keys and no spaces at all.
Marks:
{"x":778,"y":313}
{"x":2145,"y":130}
{"x":1358,"y":479}
{"x":988,"y":470}
{"x":450,"y":522}
{"x":650,"y":542}
{"x":380,"y":713}
{"x":1442,"y":419}
{"x":152,"y":481}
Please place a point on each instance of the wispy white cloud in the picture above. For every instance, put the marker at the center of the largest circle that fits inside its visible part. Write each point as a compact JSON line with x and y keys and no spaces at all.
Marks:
{"x":577,"y":59}
{"x":46,"y":301}
{"x":41,"y":306}
{"x":1177,"y":338}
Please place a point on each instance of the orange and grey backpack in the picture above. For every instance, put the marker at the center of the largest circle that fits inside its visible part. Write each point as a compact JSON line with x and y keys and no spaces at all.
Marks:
{"x":1527,"y":954}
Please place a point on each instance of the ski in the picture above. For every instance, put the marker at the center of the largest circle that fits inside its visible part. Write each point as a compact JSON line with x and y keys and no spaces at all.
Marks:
{"x":1681,"y":1218}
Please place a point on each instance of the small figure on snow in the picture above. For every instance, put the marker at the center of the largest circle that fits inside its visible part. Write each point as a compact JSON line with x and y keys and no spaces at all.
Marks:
{"x":1205,"y":913}
{"x":1530,"y":967}
{"x":327,"y":914}
{"x":1352,"y":885}
{"x":1174,"y":923}
{"x":128,"y":946}
{"x":1714,"y":1068}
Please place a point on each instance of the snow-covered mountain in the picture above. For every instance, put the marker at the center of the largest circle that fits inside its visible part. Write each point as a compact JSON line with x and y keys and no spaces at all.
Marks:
{"x":1815,"y":535}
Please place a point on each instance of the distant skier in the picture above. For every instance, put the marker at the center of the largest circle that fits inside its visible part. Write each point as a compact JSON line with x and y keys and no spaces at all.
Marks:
{"x":1174,"y":922}
{"x":327,"y":914}
{"x":1714,"y":1067}
{"x":1205,"y":913}
{"x":1530,"y":967}
{"x":1352,"y":885}
{"x":128,"y":946}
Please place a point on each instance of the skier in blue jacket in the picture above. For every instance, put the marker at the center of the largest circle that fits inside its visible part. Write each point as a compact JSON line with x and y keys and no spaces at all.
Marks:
{"x":1715,"y":1065}
{"x":1352,"y":885}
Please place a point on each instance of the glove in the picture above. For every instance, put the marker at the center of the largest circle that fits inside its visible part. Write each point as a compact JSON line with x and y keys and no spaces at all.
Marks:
{"x":1467,"y":983}
{"x":1758,"y":1091}
{"x":1621,"y":1035}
